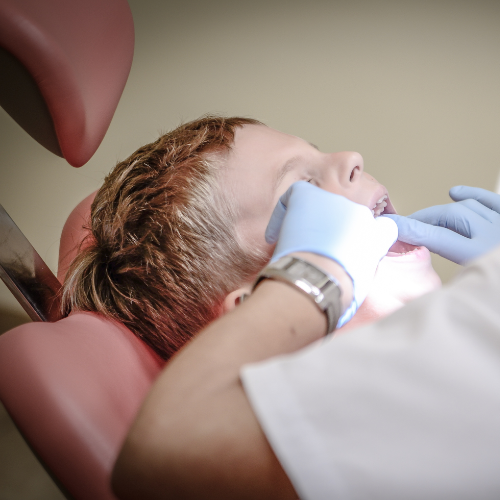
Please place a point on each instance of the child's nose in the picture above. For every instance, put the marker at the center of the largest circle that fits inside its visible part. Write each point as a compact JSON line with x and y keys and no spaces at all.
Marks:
{"x":349,"y":166}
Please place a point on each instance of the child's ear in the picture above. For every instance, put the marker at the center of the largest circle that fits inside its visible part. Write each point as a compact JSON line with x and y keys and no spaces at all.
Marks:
{"x":234,"y":298}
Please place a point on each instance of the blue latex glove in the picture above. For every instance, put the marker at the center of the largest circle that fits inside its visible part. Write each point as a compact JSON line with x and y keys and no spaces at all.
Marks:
{"x":309,"y":219}
{"x":458,"y":231}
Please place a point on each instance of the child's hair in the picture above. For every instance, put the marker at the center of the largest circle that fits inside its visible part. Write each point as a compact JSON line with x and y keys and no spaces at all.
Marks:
{"x":163,"y":251}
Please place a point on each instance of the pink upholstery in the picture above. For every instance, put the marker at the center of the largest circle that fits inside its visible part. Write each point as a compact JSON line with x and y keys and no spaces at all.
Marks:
{"x":73,"y":234}
{"x":79,"y":54}
{"x":73,"y":388}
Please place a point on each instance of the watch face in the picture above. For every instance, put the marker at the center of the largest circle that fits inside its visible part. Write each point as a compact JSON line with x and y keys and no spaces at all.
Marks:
{"x":306,"y":271}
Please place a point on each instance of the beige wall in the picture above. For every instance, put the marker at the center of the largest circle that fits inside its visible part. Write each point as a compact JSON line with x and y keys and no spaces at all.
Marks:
{"x":413,"y":86}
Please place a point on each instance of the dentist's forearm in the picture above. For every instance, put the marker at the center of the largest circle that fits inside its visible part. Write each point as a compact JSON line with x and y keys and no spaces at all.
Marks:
{"x":196,"y":435}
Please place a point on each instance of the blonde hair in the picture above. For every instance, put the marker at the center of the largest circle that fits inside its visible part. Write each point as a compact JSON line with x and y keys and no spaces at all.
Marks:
{"x":164,"y":253}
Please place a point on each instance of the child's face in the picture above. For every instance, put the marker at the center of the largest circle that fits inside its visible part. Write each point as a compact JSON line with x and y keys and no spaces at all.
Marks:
{"x":264,"y":163}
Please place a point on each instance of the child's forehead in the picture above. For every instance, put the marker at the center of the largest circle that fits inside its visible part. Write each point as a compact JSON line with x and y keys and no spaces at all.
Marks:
{"x":259,"y":143}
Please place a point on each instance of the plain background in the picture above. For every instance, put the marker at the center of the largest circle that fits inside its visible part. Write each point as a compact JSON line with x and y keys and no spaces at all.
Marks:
{"x":414,"y":86}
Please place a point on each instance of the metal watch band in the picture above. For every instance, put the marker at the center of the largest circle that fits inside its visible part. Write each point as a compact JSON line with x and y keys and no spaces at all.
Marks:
{"x":320,"y":287}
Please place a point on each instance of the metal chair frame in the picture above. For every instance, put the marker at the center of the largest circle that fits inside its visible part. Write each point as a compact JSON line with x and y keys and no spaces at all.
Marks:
{"x":26,"y":275}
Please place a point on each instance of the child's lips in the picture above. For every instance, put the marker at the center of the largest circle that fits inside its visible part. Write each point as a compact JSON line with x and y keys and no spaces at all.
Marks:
{"x":401,"y":247}
{"x":406,"y":252}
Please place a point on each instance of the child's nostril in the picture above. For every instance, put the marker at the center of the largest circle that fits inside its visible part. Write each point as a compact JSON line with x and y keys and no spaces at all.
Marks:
{"x":353,"y":172}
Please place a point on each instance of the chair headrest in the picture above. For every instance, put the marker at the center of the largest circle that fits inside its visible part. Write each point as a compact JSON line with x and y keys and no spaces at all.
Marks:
{"x":75,"y":235}
{"x":63,"y":67}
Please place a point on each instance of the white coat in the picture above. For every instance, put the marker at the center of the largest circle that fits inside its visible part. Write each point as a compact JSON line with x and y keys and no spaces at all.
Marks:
{"x":406,"y":408}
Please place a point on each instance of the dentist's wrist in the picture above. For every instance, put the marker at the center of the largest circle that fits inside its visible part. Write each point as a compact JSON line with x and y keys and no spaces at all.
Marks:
{"x":334,"y":269}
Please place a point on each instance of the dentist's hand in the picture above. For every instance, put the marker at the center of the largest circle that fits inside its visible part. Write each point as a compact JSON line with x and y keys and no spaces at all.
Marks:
{"x":309,"y":219}
{"x":458,"y":231}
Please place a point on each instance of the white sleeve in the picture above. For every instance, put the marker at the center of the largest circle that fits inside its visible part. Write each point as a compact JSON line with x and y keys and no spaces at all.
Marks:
{"x":405,"y":408}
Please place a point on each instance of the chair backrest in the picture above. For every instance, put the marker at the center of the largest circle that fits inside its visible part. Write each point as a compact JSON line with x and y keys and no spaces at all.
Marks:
{"x":63,"y":67}
{"x":73,"y":388}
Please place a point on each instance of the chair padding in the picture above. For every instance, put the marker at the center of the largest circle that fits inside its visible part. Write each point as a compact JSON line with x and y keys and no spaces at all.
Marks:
{"x":73,"y":388}
{"x":78,"y":54}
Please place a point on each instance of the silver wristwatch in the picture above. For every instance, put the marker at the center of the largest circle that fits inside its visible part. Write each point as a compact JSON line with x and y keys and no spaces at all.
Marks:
{"x":320,"y":287}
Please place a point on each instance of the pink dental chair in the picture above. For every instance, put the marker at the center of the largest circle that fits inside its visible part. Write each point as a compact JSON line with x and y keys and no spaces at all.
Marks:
{"x":72,"y":385}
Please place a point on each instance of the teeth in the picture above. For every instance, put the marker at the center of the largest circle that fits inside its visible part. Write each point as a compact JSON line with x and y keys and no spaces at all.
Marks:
{"x":379,"y":206}
{"x":381,"y":200}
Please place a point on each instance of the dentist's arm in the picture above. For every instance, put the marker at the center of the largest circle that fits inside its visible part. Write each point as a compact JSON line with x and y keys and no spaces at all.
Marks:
{"x":196,"y":435}
{"x":458,"y":231}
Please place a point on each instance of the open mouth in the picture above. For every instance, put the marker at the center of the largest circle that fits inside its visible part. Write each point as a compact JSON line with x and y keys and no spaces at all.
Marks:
{"x":384,"y":206}
{"x":380,"y":206}
{"x":401,"y":248}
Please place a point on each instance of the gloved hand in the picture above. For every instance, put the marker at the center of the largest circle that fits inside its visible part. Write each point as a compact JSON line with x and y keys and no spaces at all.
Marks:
{"x":309,"y":219}
{"x":457,"y":231}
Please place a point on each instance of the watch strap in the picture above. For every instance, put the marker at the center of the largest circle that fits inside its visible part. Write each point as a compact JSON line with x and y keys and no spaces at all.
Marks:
{"x":323,"y":289}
